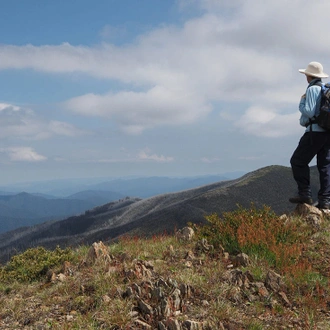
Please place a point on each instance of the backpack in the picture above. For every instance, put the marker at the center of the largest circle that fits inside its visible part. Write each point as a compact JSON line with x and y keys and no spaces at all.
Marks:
{"x":323,"y":118}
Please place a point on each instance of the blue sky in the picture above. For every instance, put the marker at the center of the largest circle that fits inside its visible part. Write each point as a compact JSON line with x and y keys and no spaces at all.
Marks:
{"x":112,"y":88}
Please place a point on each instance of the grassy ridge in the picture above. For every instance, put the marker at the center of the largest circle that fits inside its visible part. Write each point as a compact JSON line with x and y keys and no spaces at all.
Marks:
{"x":118,"y":292}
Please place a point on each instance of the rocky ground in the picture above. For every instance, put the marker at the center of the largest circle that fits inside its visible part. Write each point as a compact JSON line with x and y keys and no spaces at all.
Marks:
{"x":174,"y":283}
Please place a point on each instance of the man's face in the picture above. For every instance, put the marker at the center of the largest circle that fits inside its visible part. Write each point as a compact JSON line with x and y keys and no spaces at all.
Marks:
{"x":309,"y":78}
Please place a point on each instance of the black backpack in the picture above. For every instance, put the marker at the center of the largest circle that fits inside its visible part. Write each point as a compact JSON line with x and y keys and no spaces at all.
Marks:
{"x":323,"y":118}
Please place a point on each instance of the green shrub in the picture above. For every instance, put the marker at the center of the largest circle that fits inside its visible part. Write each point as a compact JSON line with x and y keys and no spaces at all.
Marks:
{"x":258,"y":232}
{"x":34,"y":264}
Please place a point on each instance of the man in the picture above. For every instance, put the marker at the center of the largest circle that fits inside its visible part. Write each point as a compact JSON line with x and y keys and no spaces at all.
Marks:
{"x":314,"y":142}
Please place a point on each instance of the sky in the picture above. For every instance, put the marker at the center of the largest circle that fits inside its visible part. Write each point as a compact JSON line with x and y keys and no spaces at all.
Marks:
{"x":113,"y":88}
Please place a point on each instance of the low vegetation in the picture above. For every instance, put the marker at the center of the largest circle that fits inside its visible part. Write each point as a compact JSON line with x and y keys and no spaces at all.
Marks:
{"x":247,"y":269}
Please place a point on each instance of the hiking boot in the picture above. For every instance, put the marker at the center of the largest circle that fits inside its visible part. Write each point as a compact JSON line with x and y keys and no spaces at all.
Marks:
{"x":323,"y":206}
{"x":301,"y":200}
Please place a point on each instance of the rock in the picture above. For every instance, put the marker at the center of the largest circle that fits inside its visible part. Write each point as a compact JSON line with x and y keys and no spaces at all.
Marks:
{"x":165,"y":308}
{"x":161,"y":326}
{"x":172,"y":283}
{"x":144,"y":307}
{"x":203,"y":246}
{"x":98,"y":251}
{"x":311,"y":214}
{"x":314,"y":220}
{"x":238,"y":278}
{"x":305,"y":209}
{"x":136,"y":289}
{"x":193,"y":325}
{"x":128,"y":293}
{"x":188,"y":264}
{"x":51,"y":276}
{"x":284,"y":217}
{"x":241,"y":259}
{"x":143,"y":269}
{"x":235,"y":295}
{"x":142,"y":325}
{"x":173,"y":324}
{"x":273,"y":281}
{"x":190,"y":255}
{"x":162,"y":283}
{"x":185,"y":234}
{"x":326,"y":212}
{"x":205,"y":303}
{"x":133,"y":314}
{"x":176,"y":299}
{"x":226,"y":256}
{"x":249,"y":276}
{"x":67,"y":269}
{"x":261,"y":289}
{"x":61,"y":277}
{"x":285,"y":299}
{"x":157,"y":293}
{"x":186,"y":291}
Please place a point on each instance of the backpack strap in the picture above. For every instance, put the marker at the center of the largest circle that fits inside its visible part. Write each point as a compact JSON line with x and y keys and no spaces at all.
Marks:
{"x":317,"y":82}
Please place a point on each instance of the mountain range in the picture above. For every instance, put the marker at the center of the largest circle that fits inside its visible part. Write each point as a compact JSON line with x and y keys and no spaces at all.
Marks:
{"x":162,"y":213}
{"x":130,"y":186}
{"x":44,"y":201}
{"x":23,"y":209}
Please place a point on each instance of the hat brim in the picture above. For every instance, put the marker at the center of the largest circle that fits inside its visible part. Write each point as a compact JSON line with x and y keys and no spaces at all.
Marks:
{"x":321,"y":75}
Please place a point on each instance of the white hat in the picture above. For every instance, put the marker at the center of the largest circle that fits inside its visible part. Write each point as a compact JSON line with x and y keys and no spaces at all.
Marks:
{"x":314,"y":69}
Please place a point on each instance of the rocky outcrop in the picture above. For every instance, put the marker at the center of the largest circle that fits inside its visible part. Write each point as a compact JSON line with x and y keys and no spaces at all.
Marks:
{"x":185,"y":234}
{"x":163,"y":303}
{"x":311,"y":214}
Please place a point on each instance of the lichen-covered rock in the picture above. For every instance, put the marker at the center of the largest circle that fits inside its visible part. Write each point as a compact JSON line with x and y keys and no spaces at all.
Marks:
{"x":98,"y":251}
{"x":185,"y":234}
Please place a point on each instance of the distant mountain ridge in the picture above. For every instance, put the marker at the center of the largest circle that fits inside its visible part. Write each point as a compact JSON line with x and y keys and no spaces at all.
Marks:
{"x":27,"y":209}
{"x":129,"y":186}
{"x":270,"y":186}
{"x":151,"y":186}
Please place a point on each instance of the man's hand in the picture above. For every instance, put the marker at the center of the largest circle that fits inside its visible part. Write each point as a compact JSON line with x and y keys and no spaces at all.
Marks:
{"x":303,"y":96}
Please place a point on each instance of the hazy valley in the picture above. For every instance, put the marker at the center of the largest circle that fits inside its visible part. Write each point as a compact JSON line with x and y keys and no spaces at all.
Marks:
{"x":28,"y":204}
{"x":158,"y":214}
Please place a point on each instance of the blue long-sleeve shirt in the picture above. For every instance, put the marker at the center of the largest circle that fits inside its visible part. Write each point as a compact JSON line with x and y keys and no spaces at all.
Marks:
{"x":309,"y":106}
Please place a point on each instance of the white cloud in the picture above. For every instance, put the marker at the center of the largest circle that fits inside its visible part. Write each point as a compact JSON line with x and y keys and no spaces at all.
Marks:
{"x":208,"y":160}
{"x":146,"y":155}
{"x":136,"y":111}
{"x":245,"y":52}
{"x":265,"y":122}
{"x":6,"y":106}
{"x":109,"y":32}
{"x":128,"y":157}
{"x":62,"y":128}
{"x":21,"y":123}
{"x":23,"y":154}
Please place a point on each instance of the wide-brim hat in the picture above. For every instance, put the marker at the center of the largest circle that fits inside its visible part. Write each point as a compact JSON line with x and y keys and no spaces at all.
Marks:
{"x":314,"y":69}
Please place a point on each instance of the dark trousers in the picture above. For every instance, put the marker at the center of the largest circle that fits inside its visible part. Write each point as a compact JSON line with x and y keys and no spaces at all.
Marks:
{"x":312,"y":144}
